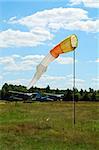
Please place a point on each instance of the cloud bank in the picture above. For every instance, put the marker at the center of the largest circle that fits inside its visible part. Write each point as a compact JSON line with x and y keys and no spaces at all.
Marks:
{"x":87,"y":3}
{"x":25,"y":63}
{"x":43,"y":25}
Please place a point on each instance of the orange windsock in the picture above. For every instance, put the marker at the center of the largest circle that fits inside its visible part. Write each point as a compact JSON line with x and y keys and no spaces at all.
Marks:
{"x":67,"y":45}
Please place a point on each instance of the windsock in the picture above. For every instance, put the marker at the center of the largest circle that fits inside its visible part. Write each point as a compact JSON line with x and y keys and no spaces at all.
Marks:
{"x":67,"y":45}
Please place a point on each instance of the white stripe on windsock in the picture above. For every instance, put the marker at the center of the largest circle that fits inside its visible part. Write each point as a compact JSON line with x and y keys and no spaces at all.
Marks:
{"x":47,"y":59}
{"x":40,"y":69}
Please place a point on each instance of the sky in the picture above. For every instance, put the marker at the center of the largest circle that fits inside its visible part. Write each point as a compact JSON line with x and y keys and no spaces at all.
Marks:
{"x":29,"y":29}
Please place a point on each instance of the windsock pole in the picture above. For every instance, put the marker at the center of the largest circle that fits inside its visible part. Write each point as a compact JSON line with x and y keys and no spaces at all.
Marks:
{"x":74,"y":103}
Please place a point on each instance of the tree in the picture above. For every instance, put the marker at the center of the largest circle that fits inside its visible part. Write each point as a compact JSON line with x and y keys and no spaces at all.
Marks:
{"x":31,"y":90}
{"x":57,"y":91}
{"x":93,"y":97}
{"x":91,"y":90}
{"x":77,"y":96}
{"x":85,"y":96}
{"x":81,"y":92}
{"x":48,"y":89}
{"x":4,"y":91}
{"x":0,"y":94}
{"x":68,"y":95}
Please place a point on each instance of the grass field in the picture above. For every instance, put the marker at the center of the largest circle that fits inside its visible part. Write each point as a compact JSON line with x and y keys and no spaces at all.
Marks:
{"x":49,"y":126}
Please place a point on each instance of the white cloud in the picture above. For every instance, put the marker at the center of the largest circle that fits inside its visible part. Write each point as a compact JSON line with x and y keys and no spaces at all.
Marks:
{"x":70,"y":76}
{"x":12,"y":18}
{"x":6,"y":60}
{"x":65,"y":60}
{"x":25,"y":63}
{"x":1,"y":77}
{"x":88,"y":26}
{"x":52,"y":16}
{"x":97,"y":60}
{"x":16,"y":38}
{"x":87,"y":3}
{"x":32,"y":59}
{"x":53,"y":81}
{"x":59,"y":18}
{"x":52,"y":78}
{"x":75,"y":2}
{"x":61,"y":82}
{"x":95,"y":80}
{"x":95,"y":83}
{"x":1,"y":81}
{"x":79,"y":83}
{"x":53,"y":19}
{"x":19,"y":63}
{"x":94,"y":61}
{"x":18,"y":81}
{"x":42,"y":25}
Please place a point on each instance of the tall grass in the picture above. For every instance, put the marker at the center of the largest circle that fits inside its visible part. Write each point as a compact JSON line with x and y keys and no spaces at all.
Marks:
{"x":49,"y":126}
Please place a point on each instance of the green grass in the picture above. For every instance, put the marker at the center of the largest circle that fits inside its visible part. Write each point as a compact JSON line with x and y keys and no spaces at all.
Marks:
{"x":49,"y":126}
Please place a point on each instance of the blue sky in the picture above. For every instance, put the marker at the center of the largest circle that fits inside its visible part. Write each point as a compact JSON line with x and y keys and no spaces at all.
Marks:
{"x":29,"y":29}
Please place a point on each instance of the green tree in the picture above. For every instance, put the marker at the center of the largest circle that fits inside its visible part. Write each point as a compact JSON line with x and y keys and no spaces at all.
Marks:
{"x":48,"y":89}
{"x":91,"y":90}
{"x":4,"y":91}
{"x":68,"y":96}
{"x":57,"y":91}
{"x":86,"y":96}
{"x":93,"y":96}
{"x":81,"y":92}
{"x":77,"y":96}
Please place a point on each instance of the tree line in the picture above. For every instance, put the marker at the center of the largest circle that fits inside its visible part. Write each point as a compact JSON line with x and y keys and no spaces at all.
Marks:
{"x":68,"y":94}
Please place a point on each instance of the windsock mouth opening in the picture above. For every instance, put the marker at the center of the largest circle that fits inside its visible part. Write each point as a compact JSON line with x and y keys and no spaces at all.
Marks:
{"x":74,"y":41}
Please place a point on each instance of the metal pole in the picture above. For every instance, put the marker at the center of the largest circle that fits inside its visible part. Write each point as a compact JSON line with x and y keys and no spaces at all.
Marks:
{"x":74,"y":106}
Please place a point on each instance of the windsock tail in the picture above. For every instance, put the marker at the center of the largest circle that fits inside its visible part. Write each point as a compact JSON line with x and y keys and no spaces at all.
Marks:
{"x":32,"y":82}
{"x":39,"y":72}
{"x":41,"y":68}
